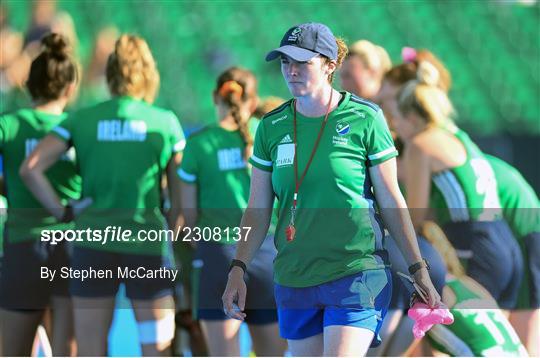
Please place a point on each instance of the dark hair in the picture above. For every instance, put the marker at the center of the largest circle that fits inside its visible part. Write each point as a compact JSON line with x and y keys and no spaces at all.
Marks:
{"x":236,"y":86}
{"x":53,"y":69}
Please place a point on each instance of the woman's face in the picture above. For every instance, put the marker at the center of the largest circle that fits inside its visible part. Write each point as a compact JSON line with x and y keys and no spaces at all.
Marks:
{"x":403,"y":125}
{"x":354,"y":76}
{"x":304,"y":78}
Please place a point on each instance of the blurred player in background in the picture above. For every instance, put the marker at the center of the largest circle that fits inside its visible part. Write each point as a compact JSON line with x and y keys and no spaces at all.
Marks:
{"x":94,"y":82}
{"x":453,"y":177}
{"x":518,"y":200}
{"x":364,"y":68}
{"x":124,"y":147}
{"x":480,"y":328}
{"x":24,"y":295}
{"x":215,"y":192}
{"x":521,"y":209}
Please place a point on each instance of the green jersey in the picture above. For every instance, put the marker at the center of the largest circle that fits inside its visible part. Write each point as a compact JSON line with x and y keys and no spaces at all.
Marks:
{"x":336,"y":232}
{"x":20,"y":132}
{"x":214,"y":160}
{"x":123,"y":147}
{"x":486,"y":332}
{"x":467,"y":192}
{"x":520,"y":205}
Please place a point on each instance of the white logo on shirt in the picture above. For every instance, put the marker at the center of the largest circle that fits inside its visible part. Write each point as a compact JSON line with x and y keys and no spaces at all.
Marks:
{"x":285,"y":155}
{"x":338,"y":140}
{"x":360,"y":114}
{"x":115,"y":130}
{"x":279,"y":119}
{"x":230,"y":159}
{"x":286,"y":139}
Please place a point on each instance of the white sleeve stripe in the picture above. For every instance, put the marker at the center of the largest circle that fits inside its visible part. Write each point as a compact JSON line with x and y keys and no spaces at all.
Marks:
{"x":186,"y":176}
{"x":178,"y":147}
{"x":266,"y":163}
{"x":382,"y":154}
{"x":62,"y":132}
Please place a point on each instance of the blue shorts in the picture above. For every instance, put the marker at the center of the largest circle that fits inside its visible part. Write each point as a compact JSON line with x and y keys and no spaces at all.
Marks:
{"x":21,"y":285}
{"x":359,"y":300}
{"x":136,"y":288}
{"x":260,"y":305}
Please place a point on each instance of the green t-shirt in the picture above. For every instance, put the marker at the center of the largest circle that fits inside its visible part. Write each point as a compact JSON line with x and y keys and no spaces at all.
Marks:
{"x":20,"y":132}
{"x":123,"y":146}
{"x":520,"y":205}
{"x":336,"y":232}
{"x":485,"y":331}
{"x":467,"y":192}
{"x":214,"y":160}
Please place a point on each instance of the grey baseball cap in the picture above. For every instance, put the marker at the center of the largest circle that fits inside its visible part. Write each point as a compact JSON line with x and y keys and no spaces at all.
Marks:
{"x":305,"y":41}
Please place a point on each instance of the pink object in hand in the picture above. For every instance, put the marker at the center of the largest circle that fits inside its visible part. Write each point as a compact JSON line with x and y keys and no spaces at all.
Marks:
{"x":425,"y":317}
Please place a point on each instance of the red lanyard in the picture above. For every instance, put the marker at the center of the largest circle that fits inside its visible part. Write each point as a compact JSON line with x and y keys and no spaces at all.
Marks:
{"x":290,"y":231}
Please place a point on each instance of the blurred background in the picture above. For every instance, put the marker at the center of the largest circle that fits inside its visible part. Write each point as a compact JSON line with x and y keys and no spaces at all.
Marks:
{"x":492,"y":49}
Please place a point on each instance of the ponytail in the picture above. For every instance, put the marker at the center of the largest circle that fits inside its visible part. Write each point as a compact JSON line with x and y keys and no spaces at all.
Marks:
{"x":236,"y":86}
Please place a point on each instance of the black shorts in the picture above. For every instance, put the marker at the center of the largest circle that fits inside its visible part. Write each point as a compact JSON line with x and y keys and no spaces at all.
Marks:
{"x":146,"y":277}
{"x":401,"y":292}
{"x":260,"y":302}
{"x":532,"y":264}
{"x":492,"y":257}
{"x":21,"y":284}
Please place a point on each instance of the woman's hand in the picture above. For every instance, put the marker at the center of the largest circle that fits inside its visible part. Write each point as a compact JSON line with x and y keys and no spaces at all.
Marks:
{"x":424,"y":287}
{"x":235,"y":292}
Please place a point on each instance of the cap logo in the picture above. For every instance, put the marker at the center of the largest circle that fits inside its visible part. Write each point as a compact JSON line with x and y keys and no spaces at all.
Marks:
{"x":293,"y":37}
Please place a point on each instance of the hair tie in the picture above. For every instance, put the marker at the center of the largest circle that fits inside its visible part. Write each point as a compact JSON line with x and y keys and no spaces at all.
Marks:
{"x":408,"y":54}
{"x":231,"y":87}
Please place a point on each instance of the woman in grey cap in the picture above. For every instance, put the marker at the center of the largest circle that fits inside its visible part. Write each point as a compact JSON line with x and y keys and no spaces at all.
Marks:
{"x":321,"y":154}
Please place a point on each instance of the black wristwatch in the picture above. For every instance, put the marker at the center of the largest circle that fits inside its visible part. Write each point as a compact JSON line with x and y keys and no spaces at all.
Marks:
{"x":417,"y":266}
{"x":238,"y":263}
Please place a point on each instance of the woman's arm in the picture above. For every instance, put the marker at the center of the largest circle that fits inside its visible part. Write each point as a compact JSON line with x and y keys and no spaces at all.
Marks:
{"x":33,"y":169}
{"x":398,"y":222}
{"x":188,"y":203}
{"x":417,"y":182}
{"x":173,"y":186}
{"x":257,"y":217}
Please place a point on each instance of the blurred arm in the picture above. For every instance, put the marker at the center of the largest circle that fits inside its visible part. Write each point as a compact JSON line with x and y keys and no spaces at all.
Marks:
{"x":394,"y":209}
{"x":33,"y":169}
{"x":417,"y":183}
